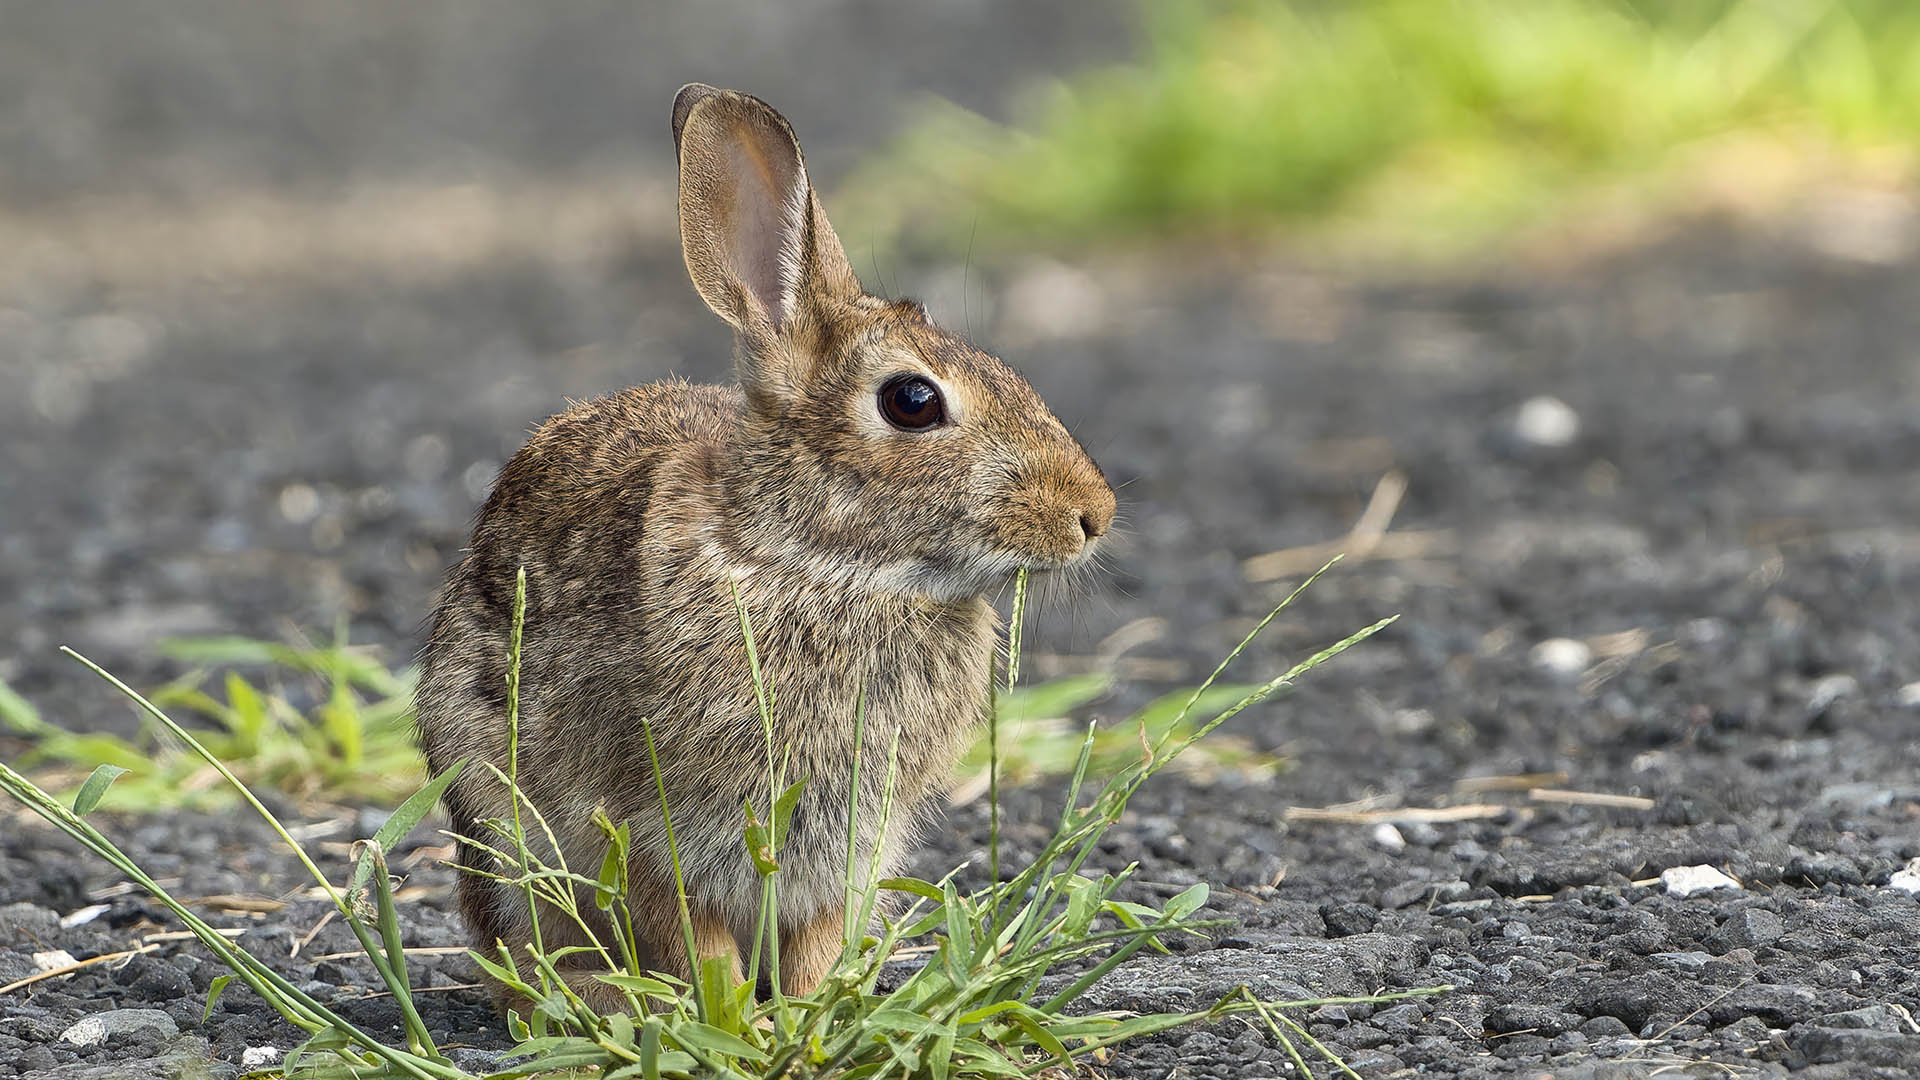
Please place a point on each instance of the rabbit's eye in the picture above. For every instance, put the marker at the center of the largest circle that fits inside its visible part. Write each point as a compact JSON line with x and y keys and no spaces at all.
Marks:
{"x":911,"y":403}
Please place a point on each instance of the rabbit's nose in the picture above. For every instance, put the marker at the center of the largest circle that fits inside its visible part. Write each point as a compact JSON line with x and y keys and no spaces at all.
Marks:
{"x":1095,"y":520}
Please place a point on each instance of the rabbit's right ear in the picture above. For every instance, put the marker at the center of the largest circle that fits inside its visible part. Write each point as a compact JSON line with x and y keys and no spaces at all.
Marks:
{"x":757,"y":244}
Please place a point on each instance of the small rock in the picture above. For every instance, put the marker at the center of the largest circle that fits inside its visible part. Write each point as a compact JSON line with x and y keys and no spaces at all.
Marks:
{"x":253,"y":1057}
{"x":1869,"y":1018}
{"x":1684,"y":881}
{"x":1907,"y":878}
{"x":36,"y":1059}
{"x":1388,"y":838}
{"x":1346,"y":920}
{"x":1604,"y":1027}
{"x":56,"y":958}
{"x":1375,"y":1062}
{"x":1694,"y":960}
{"x":1855,"y":1046}
{"x":475,"y":1060}
{"x":1563,"y":658}
{"x":1825,"y":691}
{"x":153,"y":980}
{"x":98,"y":1028}
{"x":27,"y":921}
{"x":1400,"y":1019}
{"x":299,"y":503}
{"x":1546,"y":422}
{"x":1779,"y":1006}
{"x":1330,"y":1014}
{"x":1908,"y":696}
{"x":82,"y":917}
{"x":1531,"y":1019}
{"x":1823,"y":868}
{"x":1752,"y":928}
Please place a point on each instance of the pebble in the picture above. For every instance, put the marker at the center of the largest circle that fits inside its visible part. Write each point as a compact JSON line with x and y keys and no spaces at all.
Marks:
{"x":1563,"y":658}
{"x":1871,"y":1018}
{"x":83,"y":916}
{"x":54,"y":958}
{"x":1388,"y":838}
{"x":98,"y":1028}
{"x":1752,"y":928}
{"x":1693,"y":958}
{"x":1908,"y":696}
{"x":1687,"y":880}
{"x":1907,"y":878}
{"x":1546,"y":422}
{"x":254,"y":1057}
{"x":1829,"y":689}
{"x":36,"y":1059}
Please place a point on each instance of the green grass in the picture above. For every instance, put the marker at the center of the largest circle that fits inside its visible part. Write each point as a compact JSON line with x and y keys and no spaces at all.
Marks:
{"x":351,"y":737}
{"x":1039,"y":739}
{"x":1413,"y":125}
{"x":329,"y":723}
{"x":971,"y":1010}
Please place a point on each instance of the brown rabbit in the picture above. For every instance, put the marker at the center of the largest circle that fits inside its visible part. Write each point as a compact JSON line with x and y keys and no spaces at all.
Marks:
{"x":868,"y":480}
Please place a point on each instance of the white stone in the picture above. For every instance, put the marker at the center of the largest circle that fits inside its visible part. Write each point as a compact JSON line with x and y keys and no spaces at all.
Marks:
{"x":96,"y":1029}
{"x":253,"y":1057}
{"x":53,"y":958}
{"x":1908,"y":696}
{"x":299,"y":503}
{"x":1546,"y":421}
{"x":1388,"y":838}
{"x":1687,"y":880}
{"x":1561,"y":657}
{"x":1906,"y":879}
{"x":82,"y":917}
{"x":1829,"y":689}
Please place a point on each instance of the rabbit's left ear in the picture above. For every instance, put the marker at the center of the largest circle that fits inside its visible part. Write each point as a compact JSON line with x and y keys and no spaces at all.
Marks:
{"x":757,"y":244}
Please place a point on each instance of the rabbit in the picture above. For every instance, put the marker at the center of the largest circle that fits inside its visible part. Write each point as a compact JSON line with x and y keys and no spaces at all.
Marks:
{"x":861,"y":490}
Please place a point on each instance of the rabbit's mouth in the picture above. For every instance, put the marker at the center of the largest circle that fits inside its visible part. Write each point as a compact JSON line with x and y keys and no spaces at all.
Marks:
{"x":984,"y":571}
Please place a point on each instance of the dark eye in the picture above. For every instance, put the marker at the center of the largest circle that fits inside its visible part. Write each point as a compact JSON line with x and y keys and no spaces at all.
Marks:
{"x":911,"y":403}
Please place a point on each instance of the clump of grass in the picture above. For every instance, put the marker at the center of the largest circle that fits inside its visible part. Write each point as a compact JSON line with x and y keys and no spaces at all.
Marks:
{"x":1423,"y":124}
{"x":1038,"y":738}
{"x":972,"y":1010}
{"x":350,"y":738}
{"x":324,"y":722}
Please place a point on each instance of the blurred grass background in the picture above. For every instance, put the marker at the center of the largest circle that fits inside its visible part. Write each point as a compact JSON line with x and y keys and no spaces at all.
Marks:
{"x":281,"y":286}
{"x":1411,"y":126}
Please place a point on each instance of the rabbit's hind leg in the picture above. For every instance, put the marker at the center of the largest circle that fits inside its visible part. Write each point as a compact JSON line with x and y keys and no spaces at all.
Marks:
{"x":662,"y":941}
{"x":809,"y":950}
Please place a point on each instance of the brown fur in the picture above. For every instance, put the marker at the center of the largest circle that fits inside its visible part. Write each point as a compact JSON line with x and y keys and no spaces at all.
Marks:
{"x":860,"y":552}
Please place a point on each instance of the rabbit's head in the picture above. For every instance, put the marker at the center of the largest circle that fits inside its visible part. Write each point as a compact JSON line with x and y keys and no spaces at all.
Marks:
{"x":877,"y":448}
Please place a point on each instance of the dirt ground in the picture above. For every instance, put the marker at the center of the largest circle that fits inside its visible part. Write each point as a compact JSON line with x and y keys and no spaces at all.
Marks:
{"x":1701,"y":596}
{"x":1728,"y":537}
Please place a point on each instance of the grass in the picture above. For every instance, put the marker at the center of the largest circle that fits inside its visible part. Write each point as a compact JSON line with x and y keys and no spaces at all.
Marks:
{"x":1406,"y":125}
{"x":973,"y":1009}
{"x":317,"y":723}
{"x":332,"y":724}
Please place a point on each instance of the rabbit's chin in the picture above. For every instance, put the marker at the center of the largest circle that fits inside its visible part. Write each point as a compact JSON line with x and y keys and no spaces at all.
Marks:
{"x":983,"y":573}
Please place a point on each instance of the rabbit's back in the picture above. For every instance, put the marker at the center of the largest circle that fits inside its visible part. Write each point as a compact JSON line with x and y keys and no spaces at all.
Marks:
{"x":573,"y":508}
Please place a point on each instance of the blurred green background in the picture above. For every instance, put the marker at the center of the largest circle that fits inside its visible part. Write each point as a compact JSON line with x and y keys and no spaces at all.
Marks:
{"x":443,"y":129}
{"x":283,"y":284}
{"x":1422,"y":126}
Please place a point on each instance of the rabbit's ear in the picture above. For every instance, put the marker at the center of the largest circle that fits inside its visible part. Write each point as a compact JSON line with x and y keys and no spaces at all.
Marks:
{"x":757,"y":245}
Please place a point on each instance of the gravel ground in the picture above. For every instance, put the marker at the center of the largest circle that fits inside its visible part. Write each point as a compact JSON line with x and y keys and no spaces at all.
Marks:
{"x":1687,"y":578}
{"x":1703,"y":599}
